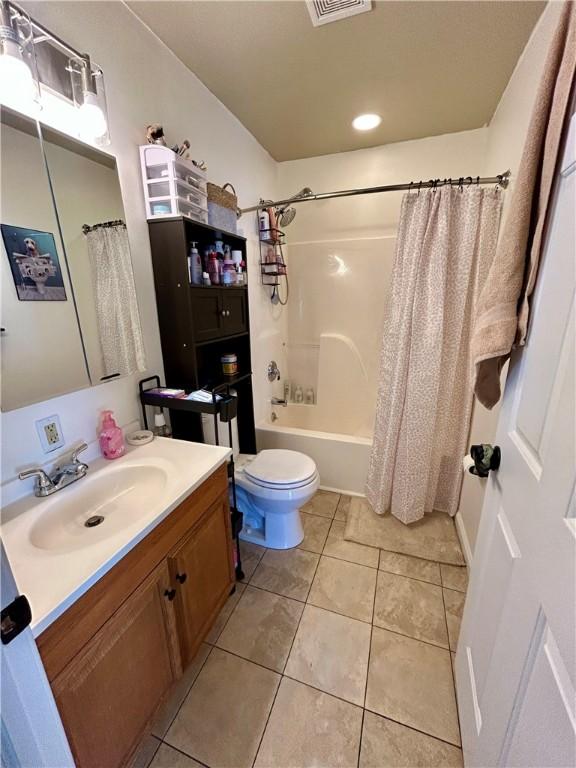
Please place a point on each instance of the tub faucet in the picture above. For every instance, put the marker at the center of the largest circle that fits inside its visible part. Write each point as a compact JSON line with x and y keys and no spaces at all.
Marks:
{"x":279,"y":401}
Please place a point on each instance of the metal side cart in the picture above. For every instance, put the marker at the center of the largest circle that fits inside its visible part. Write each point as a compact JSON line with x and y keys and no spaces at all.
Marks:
{"x":223,"y":407}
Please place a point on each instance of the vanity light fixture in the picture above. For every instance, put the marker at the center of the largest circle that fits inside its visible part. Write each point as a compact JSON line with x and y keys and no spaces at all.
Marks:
{"x":88,"y":89}
{"x":366,"y":122}
{"x":18,"y":81}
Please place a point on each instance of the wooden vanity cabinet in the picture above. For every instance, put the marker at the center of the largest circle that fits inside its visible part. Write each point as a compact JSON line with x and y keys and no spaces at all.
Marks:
{"x":113,"y":656}
{"x":200,"y":566}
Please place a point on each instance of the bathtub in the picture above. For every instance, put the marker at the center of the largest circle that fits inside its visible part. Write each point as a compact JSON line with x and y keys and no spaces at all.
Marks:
{"x":342,"y":459}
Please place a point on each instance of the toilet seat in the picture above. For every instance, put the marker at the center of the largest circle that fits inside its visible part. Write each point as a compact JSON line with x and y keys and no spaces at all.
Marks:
{"x":281,"y":469}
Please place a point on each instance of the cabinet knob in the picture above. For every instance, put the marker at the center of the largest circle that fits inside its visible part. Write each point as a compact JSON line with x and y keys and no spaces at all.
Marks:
{"x":227,"y":313}
{"x":223,"y":313}
{"x":170,"y":594}
{"x":181,"y":577}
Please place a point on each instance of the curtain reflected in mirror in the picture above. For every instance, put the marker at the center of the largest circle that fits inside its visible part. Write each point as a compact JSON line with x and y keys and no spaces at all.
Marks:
{"x":118,"y":321}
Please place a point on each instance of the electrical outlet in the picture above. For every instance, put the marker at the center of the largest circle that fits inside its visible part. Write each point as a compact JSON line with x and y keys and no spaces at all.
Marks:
{"x":50,"y":433}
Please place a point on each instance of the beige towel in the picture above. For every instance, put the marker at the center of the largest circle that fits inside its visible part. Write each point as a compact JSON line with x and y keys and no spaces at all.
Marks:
{"x":503,"y":307}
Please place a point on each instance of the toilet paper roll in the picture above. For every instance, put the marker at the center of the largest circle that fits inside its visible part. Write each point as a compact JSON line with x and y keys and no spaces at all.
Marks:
{"x":467,"y":462}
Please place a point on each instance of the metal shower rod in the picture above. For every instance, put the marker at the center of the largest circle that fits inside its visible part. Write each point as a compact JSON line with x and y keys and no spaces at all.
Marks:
{"x":502,"y":180}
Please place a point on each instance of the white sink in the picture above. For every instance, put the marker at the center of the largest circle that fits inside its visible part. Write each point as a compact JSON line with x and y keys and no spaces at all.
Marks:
{"x":101,"y":507}
{"x":56,"y":558}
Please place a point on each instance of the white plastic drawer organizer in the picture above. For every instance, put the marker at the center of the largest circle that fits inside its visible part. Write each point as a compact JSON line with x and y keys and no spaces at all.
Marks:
{"x":172,"y":186}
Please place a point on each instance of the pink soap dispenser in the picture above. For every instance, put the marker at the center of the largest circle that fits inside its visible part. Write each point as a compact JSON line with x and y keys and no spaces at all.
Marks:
{"x":111,"y":438}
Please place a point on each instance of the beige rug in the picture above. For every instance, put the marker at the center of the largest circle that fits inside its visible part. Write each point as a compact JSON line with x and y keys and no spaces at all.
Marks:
{"x":432,"y":538}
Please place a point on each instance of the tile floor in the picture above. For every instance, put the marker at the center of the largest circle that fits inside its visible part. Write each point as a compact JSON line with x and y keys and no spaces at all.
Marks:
{"x":330,"y":654}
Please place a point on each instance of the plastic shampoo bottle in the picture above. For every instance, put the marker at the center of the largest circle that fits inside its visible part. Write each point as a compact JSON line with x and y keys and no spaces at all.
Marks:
{"x":111,"y":438}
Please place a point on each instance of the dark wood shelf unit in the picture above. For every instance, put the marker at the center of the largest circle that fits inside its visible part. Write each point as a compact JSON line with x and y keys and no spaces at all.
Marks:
{"x":198,"y":324}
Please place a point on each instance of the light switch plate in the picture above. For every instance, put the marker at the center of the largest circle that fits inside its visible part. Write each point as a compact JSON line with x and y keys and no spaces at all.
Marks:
{"x":50,"y":433}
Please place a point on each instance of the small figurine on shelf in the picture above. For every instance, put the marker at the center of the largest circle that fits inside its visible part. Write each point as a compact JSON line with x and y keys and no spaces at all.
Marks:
{"x":155,"y":134}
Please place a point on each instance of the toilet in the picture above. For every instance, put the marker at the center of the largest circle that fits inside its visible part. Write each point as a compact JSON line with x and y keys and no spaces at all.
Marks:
{"x":270,"y":490}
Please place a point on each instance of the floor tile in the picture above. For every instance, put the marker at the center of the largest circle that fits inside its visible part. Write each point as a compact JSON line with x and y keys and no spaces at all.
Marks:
{"x":336,"y":546}
{"x":308,"y":728}
{"x":315,"y":532}
{"x":224,"y":715}
{"x":330,"y":652}
{"x":163,"y":719}
{"x":323,"y":503}
{"x":433,"y":537}
{"x":167,"y":757}
{"x":251,"y":555}
{"x":385,"y":743}
{"x":414,"y":567}
{"x":411,"y":682}
{"x":454,"y":602}
{"x":346,"y":588}
{"x":262,"y":628}
{"x":454,"y":577}
{"x":144,"y":753}
{"x":287,"y":572}
{"x":342,"y":508}
{"x":410,"y":607}
{"x":225,"y":613}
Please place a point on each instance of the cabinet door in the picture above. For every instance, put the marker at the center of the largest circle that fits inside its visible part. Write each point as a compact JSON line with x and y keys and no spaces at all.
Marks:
{"x":109,"y":691}
{"x":202,"y":570}
{"x":208,"y":313}
{"x":235,"y":305}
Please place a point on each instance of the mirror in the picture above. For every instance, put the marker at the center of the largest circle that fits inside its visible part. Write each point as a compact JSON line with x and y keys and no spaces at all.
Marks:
{"x":42,"y":353}
{"x":69,"y":309}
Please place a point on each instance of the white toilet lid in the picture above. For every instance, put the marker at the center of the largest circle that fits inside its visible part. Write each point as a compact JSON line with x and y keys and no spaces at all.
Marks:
{"x":280,"y":468}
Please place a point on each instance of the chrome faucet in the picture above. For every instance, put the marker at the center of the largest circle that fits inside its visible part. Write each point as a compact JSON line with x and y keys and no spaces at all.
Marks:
{"x":61,"y":475}
{"x":279,"y":401}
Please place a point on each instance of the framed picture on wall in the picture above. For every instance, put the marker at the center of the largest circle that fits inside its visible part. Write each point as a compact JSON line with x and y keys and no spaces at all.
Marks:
{"x":34,"y":264}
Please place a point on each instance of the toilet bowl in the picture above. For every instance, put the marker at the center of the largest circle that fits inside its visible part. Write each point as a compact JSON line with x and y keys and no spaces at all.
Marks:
{"x":270,"y":489}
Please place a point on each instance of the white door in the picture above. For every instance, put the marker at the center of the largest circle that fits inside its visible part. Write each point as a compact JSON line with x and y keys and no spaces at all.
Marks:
{"x":516,"y":659}
{"x":32,"y":735}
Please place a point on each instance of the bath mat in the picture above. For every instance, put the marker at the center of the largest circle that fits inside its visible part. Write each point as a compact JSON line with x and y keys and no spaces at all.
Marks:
{"x":432,"y":538}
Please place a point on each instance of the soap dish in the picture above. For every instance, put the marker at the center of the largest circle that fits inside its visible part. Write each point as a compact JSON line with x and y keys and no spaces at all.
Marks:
{"x":140,"y":437}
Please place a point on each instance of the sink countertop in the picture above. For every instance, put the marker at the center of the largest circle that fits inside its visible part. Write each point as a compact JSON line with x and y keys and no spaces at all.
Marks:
{"x":53,"y":578}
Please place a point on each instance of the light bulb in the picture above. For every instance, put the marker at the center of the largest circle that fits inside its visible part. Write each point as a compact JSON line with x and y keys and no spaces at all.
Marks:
{"x":366,"y":122}
{"x":93,"y":124}
{"x":17,"y":87}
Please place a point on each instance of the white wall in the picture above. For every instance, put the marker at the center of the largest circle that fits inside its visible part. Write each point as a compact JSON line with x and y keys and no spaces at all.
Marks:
{"x":146,"y":83}
{"x":506,"y":135}
{"x":340,"y":257}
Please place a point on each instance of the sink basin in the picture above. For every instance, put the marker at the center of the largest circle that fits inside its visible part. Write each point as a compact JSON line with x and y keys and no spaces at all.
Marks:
{"x":98,"y":507}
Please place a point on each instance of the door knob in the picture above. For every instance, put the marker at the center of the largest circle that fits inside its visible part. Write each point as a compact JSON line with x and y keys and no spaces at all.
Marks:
{"x":181,"y":577}
{"x":170,"y":594}
{"x":486,"y":457}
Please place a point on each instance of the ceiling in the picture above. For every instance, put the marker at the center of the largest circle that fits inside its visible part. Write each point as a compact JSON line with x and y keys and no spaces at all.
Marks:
{"x":426,"y":67}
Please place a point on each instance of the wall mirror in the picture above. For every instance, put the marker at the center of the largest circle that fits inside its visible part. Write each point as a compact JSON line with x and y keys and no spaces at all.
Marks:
{"x":69,"y":314}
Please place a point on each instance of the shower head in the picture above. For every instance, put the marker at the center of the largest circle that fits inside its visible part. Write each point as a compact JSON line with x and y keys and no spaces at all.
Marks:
{"x":286,"y":214}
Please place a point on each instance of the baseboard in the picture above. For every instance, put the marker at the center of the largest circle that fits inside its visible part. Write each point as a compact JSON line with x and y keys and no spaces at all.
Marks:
{"x":341,"y":491}
{"x":464,"y":540}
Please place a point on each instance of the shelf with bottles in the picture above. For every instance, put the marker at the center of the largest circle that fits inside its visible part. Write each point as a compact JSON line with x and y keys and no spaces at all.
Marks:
{"x":272,"y":236}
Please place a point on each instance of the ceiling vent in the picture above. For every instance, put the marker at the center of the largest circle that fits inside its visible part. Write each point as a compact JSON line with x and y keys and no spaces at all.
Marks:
{"x":325,"y":11}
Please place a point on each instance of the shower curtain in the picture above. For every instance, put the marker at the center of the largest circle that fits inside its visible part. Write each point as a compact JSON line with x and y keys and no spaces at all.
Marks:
{"x":446,"y":243}
{"x":117,"y":314}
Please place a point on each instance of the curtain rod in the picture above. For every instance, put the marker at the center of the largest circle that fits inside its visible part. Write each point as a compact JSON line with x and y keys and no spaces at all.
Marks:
{"x":502,"y":180}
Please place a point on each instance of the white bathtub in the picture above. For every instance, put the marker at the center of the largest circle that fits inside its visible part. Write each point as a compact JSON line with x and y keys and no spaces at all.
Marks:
{"x":342,"y":459}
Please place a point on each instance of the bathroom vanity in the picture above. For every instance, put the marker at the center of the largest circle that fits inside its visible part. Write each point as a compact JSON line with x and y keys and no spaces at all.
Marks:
{"x":118,"y":618}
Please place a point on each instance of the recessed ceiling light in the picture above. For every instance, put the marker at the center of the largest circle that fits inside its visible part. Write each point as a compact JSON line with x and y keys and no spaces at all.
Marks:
{"x":366,"y":122}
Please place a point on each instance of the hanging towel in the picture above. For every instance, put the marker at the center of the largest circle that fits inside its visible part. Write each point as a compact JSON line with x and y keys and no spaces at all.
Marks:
{"x":115,"y":299}
{"x":503,"y":309}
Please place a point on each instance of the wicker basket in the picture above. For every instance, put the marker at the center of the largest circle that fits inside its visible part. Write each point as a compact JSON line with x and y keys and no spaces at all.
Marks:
{"x":222,"y":207}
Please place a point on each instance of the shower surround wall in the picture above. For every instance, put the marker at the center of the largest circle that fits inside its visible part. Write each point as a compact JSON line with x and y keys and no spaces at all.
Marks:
{"x":340,"y":254}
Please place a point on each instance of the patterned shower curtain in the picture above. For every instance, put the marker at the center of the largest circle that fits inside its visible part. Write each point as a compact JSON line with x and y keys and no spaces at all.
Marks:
{"x":117,"y":314}
{"x":446,"y":242}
